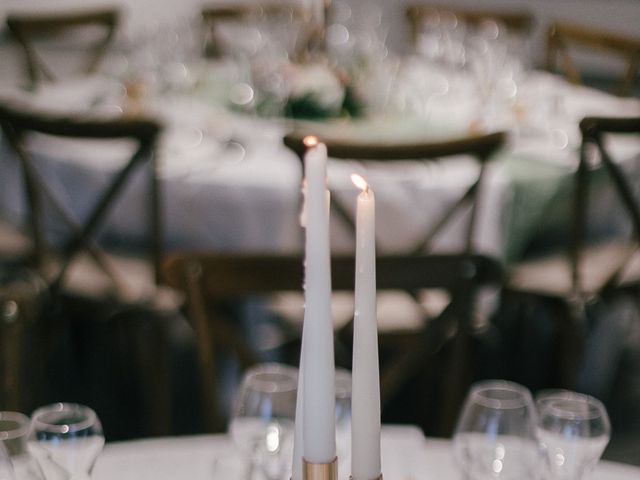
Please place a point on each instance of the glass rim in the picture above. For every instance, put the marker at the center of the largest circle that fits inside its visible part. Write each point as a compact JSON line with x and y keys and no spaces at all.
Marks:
{"x":22,"y":425}
{"x":287,"y":372}
{"x":70,"y":427}
{"x":595,"y":408}
{"x":521,"y":398}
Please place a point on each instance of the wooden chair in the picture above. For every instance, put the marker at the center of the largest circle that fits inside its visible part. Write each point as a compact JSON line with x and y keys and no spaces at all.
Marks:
{"x":289,"y":13}
{"x":31,"y":30}
{"x":481,"y":148}
{"x":63,"y":266}
{"x":562,"y":38}
{"x":207,"y":279}
{"x":516,"y":22}
{"x":568,"y":281}
{"x":119,"y":284}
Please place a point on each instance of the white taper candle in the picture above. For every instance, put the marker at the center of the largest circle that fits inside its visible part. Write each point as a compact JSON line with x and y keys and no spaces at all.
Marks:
{"x":365,"y":399}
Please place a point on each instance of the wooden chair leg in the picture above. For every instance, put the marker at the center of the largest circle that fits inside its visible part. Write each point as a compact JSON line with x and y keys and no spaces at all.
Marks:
{"x":457,"y":380}
{"x":12,"y":353}
{"x":153,"y":359}
{"x":570,"y":322}
{"x":21,"y":353}
{"x":205,"y":351}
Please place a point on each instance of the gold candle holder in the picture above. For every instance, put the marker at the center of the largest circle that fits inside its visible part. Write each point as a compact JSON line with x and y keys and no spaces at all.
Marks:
{"x":320,"y":471}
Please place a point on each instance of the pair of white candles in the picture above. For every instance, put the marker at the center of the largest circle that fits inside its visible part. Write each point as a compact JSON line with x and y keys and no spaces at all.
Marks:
{"x":315,"y":412}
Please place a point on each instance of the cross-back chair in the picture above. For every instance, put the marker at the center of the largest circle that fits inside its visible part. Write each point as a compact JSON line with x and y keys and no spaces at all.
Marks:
{"x":207,"y":279}
{"x":563,"y":38}
{"x":80,"y":268}
{"x":588,"y":270}
{"x":466,"y":207}
{"x":33,"y":31}
{"x":481,"y":148}
{"x":67,"y":265}
{"x":516,"y":22}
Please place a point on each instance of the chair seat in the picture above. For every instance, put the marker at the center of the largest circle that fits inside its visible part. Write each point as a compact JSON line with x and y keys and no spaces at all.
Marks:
{"x":397,"y":311}
{"x":551,"y":276}
{"x":135,"y":282}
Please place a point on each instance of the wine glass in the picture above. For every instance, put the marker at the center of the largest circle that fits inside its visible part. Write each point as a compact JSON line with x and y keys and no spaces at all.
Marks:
{"x":66,"y":438}
{"x":573,"y":430}
{"x":262,"y":422}
{"x":495,"y":434}
{"x":343,"y":418}
{"x":14,"y":433}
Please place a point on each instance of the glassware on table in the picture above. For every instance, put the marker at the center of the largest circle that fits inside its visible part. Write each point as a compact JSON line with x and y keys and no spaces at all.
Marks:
{"x":495,"y":434}
{"x":262,"y":422}
{"x":573,"y":430}
{"x":14,"y":433}
{"x":66,"y":438}
{"x":343,"y":419}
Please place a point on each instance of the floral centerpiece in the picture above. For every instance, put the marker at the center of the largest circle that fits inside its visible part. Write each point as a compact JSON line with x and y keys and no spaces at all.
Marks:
{"x":317,"y":91}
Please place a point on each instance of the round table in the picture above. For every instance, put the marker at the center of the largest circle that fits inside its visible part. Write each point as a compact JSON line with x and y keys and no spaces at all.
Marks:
{"x":406,"y":455}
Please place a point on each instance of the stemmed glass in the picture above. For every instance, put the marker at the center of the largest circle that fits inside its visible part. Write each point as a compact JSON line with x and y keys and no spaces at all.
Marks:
{"x":573,"y":430}
{"x":343,"y":418}
{"x":66,"y":438}
{"x":14,"y":432}
{"x":262,"y":423}
{"x":495,"y":433}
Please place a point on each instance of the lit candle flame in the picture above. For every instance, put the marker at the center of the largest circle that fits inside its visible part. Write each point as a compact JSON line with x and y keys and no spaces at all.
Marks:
{"x":359,"y":182}
{"x":310,"y":141}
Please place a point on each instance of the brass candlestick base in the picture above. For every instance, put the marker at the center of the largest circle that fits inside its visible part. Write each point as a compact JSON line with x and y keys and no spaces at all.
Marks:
{"x":320,"y":471}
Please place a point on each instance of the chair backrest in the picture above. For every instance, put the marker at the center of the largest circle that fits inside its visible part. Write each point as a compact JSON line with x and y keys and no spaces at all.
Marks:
{"x":289,"y":14}
{"x":516,"y":22}
{"x":481,"y":148}
{"x":33,"y":30}
{"x":562,"y":37}
{"x":207,"y":278}
{"x":19,"y":126}
{"x":594,"y":132}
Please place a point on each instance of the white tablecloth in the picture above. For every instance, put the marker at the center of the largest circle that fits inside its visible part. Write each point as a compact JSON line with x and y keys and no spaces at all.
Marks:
{"x":406,"y":455}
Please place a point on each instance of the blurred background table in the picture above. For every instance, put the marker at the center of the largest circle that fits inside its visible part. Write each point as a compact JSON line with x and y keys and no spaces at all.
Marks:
{"x":241,"y":186}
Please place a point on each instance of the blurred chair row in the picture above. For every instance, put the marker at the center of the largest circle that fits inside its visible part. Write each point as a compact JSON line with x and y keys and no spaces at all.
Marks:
{"x":568,"y":280}
{"x":564,"y":40}
{"x":78,"y":265}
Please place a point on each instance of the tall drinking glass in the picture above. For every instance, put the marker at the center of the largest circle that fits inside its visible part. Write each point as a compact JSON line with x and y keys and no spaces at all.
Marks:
{"x":66,"y":438}
{"x":14,"y":433}
{"x":573,"y":430}
{"x":262,"y":422}
{"x":495,"y":433}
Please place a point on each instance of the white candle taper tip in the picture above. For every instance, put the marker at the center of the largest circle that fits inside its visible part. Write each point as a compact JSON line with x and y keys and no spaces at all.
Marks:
{"x":359,"y":182}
